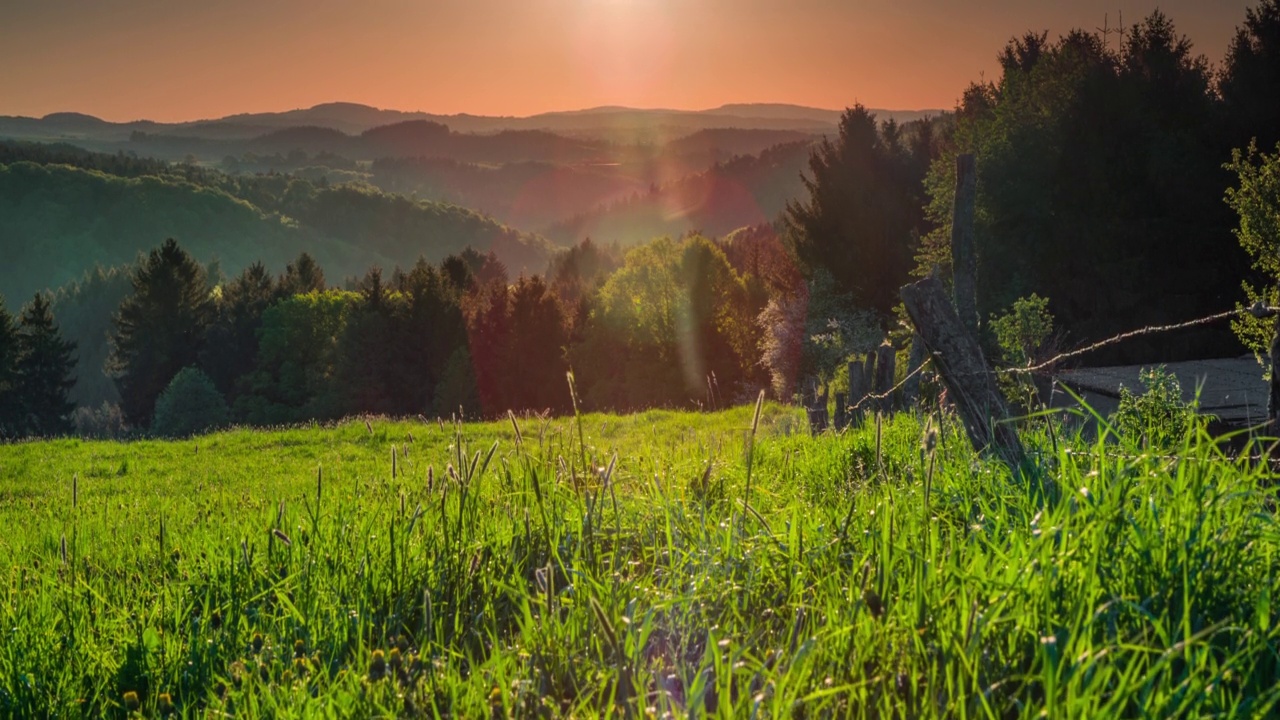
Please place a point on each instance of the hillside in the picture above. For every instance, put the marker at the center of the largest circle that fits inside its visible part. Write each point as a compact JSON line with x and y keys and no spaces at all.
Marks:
{"x":57,"y":220}
{"x":748,"y":190}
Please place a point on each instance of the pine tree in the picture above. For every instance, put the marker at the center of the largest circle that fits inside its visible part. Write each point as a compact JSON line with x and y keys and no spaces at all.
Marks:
{"x":46,"y":372}
{"x":10,"y":402}
{"x":232,"y":342}
{"x":302,"y":276}
{"x":159,"y":329}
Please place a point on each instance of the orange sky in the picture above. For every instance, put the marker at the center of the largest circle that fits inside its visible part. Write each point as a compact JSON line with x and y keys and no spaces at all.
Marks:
{"x":174,"y":60}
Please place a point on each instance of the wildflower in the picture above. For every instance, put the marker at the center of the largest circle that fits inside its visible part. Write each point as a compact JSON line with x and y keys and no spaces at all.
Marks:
{"x":165,"y":704}
{"x":299,"y":648}
{"x":377,"y":665}
{"x":131,"y":701}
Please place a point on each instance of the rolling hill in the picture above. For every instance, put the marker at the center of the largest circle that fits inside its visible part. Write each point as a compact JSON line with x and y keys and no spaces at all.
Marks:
{"x":57,"y":220}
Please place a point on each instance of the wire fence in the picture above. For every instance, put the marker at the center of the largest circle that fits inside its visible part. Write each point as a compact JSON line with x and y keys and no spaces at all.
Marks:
{"x":1257,"y":310}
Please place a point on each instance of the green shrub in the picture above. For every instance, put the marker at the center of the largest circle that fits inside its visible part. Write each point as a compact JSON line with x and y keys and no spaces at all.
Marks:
{"x":1023,"y":334}
{"x":1158,"y":418}
{"x":189,"y":406}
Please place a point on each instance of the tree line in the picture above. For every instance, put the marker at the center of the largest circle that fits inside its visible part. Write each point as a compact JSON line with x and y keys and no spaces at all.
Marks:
{"x":671,"y":323}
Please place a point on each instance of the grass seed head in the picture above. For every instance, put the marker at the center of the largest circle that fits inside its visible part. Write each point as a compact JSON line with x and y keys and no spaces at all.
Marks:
{"x":929,"y":442}
{"x":131,"y":701}
{"x":165,"y":704}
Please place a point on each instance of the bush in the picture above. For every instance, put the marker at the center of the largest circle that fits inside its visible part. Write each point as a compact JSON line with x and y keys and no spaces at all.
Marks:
{"x":1023,"y":334}
{"x":1157,"y":419}
{"x":104,"y":423}
{"x":189,"y":406}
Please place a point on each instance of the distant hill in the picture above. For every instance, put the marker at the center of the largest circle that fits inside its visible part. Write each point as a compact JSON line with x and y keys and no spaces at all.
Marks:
{"x":525,"y":194}
{"x":353,"y":119}
{"x":64,"y":210}
{"x":539,"y":195}
{"x":748,"y":190}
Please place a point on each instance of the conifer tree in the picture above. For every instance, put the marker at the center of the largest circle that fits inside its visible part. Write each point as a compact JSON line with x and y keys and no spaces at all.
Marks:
{"x":46,"y":372}
{"x":9,"y":400}
{"x":302,"y":276}
{"x":159,"y":329}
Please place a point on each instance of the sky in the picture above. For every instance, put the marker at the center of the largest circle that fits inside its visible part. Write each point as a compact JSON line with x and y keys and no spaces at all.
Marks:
{"x":173,"y":60}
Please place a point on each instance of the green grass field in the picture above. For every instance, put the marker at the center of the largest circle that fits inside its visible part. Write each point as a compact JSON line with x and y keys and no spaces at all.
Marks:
{"x":632,"y":566}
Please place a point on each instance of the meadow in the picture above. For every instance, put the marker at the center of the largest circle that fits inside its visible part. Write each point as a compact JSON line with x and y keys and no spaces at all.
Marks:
{"x":662,"y":564}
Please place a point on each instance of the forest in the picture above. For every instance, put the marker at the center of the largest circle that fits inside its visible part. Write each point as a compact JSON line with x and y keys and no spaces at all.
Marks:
{"x":1119,"y":186}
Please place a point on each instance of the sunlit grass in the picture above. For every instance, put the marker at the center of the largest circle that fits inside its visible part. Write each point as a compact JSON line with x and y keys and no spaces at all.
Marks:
{"x":288,"y":573}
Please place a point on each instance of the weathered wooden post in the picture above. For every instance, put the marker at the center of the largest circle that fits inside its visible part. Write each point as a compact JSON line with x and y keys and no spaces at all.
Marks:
{"x":916,"y":358}
{"x":858,"y":389}
{"x":842,"y":417}
{"x":816,"y":407}
{"x":964,"y":258}
{"x":1273,"y":397}
{"x":969,"y":381}
{"x":885,"y":361}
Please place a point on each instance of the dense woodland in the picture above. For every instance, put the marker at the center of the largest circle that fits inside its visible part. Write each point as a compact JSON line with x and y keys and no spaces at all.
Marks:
{"x":1103,"y":169}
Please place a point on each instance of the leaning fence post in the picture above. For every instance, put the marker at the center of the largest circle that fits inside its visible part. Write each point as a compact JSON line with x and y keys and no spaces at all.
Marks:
{"x":970,"y":382}
{"x":964,"y":259}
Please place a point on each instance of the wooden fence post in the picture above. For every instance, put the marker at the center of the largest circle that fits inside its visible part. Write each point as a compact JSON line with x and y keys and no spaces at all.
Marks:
{"x":1273,"y":397}
{"x":969,"y":381}
{"x":858,"y":390}
{"x":916,"y":358}
{"x":816,"y":406}
{"x":885,"y":361}
{"x":964,"y":259}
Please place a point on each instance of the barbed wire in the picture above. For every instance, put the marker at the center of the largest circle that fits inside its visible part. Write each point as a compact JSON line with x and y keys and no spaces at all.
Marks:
{"x":889,"y":393}
{"x":1258,"y":310}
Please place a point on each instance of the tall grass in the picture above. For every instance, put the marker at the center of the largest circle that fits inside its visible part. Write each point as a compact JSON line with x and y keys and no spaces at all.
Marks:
{"x":499,"y":570}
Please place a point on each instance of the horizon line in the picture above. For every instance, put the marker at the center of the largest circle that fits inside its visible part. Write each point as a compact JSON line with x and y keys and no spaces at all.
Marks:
{"x":596,"y":108}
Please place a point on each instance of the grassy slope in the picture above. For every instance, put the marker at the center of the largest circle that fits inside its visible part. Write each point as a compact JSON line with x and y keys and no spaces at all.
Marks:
{"x":525,"y":587}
